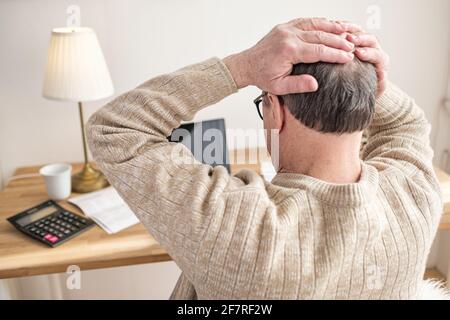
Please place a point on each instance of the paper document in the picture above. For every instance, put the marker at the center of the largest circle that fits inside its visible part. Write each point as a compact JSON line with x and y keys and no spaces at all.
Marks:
{"x":107,"y":209}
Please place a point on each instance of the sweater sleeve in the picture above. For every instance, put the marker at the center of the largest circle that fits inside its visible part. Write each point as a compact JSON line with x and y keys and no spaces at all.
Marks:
{"x":399,"y":138}
{"x":167,"y":189}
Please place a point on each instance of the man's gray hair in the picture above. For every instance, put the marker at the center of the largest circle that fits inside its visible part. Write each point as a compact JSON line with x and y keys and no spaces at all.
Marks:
{"x":344,"y":102}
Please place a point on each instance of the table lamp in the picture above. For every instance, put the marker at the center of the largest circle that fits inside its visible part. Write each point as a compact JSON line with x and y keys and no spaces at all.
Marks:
{"x":76,"y":71}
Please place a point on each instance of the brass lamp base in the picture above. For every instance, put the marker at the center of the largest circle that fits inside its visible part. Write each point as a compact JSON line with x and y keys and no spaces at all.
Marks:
{"x":88,"y":180}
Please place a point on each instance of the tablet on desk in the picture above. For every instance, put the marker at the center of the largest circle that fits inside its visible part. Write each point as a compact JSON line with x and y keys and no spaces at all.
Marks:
{"x":207,"y":141}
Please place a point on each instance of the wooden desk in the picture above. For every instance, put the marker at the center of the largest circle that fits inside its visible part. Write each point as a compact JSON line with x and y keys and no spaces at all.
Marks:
{"x":94,"y":249}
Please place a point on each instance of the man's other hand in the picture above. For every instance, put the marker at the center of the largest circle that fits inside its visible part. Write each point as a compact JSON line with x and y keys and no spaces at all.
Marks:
{"x":268,"y":65}
{"x":369,"y":50}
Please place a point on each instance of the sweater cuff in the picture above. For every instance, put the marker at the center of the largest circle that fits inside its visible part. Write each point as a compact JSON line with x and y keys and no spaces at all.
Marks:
{"x":219,"y":82}
{"x":232,"y":87}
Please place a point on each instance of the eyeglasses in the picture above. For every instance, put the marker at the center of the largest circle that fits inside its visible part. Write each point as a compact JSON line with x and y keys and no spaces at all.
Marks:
{"x":258,"y":103}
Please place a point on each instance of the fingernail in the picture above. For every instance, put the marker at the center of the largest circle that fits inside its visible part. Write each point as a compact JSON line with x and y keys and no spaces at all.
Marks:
{"x":352,"y":38}
{"x":351,"y":55}
{"x":362,"y":51}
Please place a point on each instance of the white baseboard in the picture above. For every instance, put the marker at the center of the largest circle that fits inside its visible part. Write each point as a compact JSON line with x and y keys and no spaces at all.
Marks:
{"x":9,"y":289}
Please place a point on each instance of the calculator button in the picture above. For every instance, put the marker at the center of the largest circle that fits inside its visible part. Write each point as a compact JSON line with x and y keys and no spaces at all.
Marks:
{"x":70,"y":220}
{"x":66,"y":231}
{"x":48,"y":236}
{"x":40,"y":225}
{"x":60,"y":235}
{"x":47,"y":222}
{"x":53,"y":239}
{"x":52,"y":224}
{"x":65,"y":213}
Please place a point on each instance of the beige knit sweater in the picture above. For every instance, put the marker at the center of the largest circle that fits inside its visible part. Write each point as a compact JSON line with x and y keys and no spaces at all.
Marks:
{"x":238,"y":237}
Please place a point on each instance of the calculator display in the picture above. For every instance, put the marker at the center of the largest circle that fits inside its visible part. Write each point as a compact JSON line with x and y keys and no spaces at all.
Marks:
{"x":36,"y":215}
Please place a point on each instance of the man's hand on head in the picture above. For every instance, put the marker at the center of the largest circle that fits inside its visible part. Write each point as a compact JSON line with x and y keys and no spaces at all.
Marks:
{"x":369,"y":50}
{"x":268,"y":65}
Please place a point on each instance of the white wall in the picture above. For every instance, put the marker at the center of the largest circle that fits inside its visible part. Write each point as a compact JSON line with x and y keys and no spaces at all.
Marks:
{"x":142,"y":38}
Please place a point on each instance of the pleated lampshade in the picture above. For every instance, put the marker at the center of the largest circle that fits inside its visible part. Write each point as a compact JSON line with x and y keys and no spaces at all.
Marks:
{"x":76,"y":69}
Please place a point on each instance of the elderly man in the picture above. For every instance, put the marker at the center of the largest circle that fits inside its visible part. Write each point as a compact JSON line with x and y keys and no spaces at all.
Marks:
{"x":330,"y":225}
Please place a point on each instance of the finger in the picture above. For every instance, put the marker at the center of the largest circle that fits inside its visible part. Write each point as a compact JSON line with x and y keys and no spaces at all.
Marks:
{"x":350,"y":27}
{"x":364,"y":40}
{"x":328,"y":39}
{"x":312,"y":53}
{"x":382,"y":87}
{"x":378,"y":58}
{"x":372,"y":55}
{"x":295,"y":84}
{"x":318,"y":24}
{"x":381,"y":74}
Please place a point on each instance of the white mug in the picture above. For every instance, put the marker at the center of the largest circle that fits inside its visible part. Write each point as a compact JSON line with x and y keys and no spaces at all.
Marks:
{"x":57,"y":180}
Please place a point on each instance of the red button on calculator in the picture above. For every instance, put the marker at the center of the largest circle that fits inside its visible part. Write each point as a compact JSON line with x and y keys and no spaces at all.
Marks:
{"x":51,"y":238}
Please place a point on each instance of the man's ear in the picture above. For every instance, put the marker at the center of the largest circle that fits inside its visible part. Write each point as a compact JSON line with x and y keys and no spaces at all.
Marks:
{"x":277,"y":110}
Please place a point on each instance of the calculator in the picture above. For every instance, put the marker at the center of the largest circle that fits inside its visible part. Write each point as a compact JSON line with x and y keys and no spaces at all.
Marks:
{"x":50,"y":223}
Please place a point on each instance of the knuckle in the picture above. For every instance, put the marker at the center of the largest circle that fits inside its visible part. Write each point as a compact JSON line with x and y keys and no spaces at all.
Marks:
{"x":282,"y":31}
{"x":320,"y":49}
{"x":288,"y":47}
{"x":278,"y":28}
{"x":305,"y":23}
{"x":315,"y":23}
{"x":298,"y":21}
{"x":320,"y":36}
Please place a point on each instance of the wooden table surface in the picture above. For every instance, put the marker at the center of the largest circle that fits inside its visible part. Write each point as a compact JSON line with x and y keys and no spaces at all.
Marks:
{"x":94,"y":249}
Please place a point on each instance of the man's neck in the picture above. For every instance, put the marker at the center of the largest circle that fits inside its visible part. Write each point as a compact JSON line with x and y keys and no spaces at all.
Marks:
{"x":330,"y":158}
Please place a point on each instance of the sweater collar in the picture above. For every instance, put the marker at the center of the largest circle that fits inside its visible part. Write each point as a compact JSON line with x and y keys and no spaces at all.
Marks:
{"x":348,"y":195}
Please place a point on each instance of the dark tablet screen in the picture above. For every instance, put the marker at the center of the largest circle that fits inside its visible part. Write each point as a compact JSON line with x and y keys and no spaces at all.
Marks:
{"x":207,"y":141}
